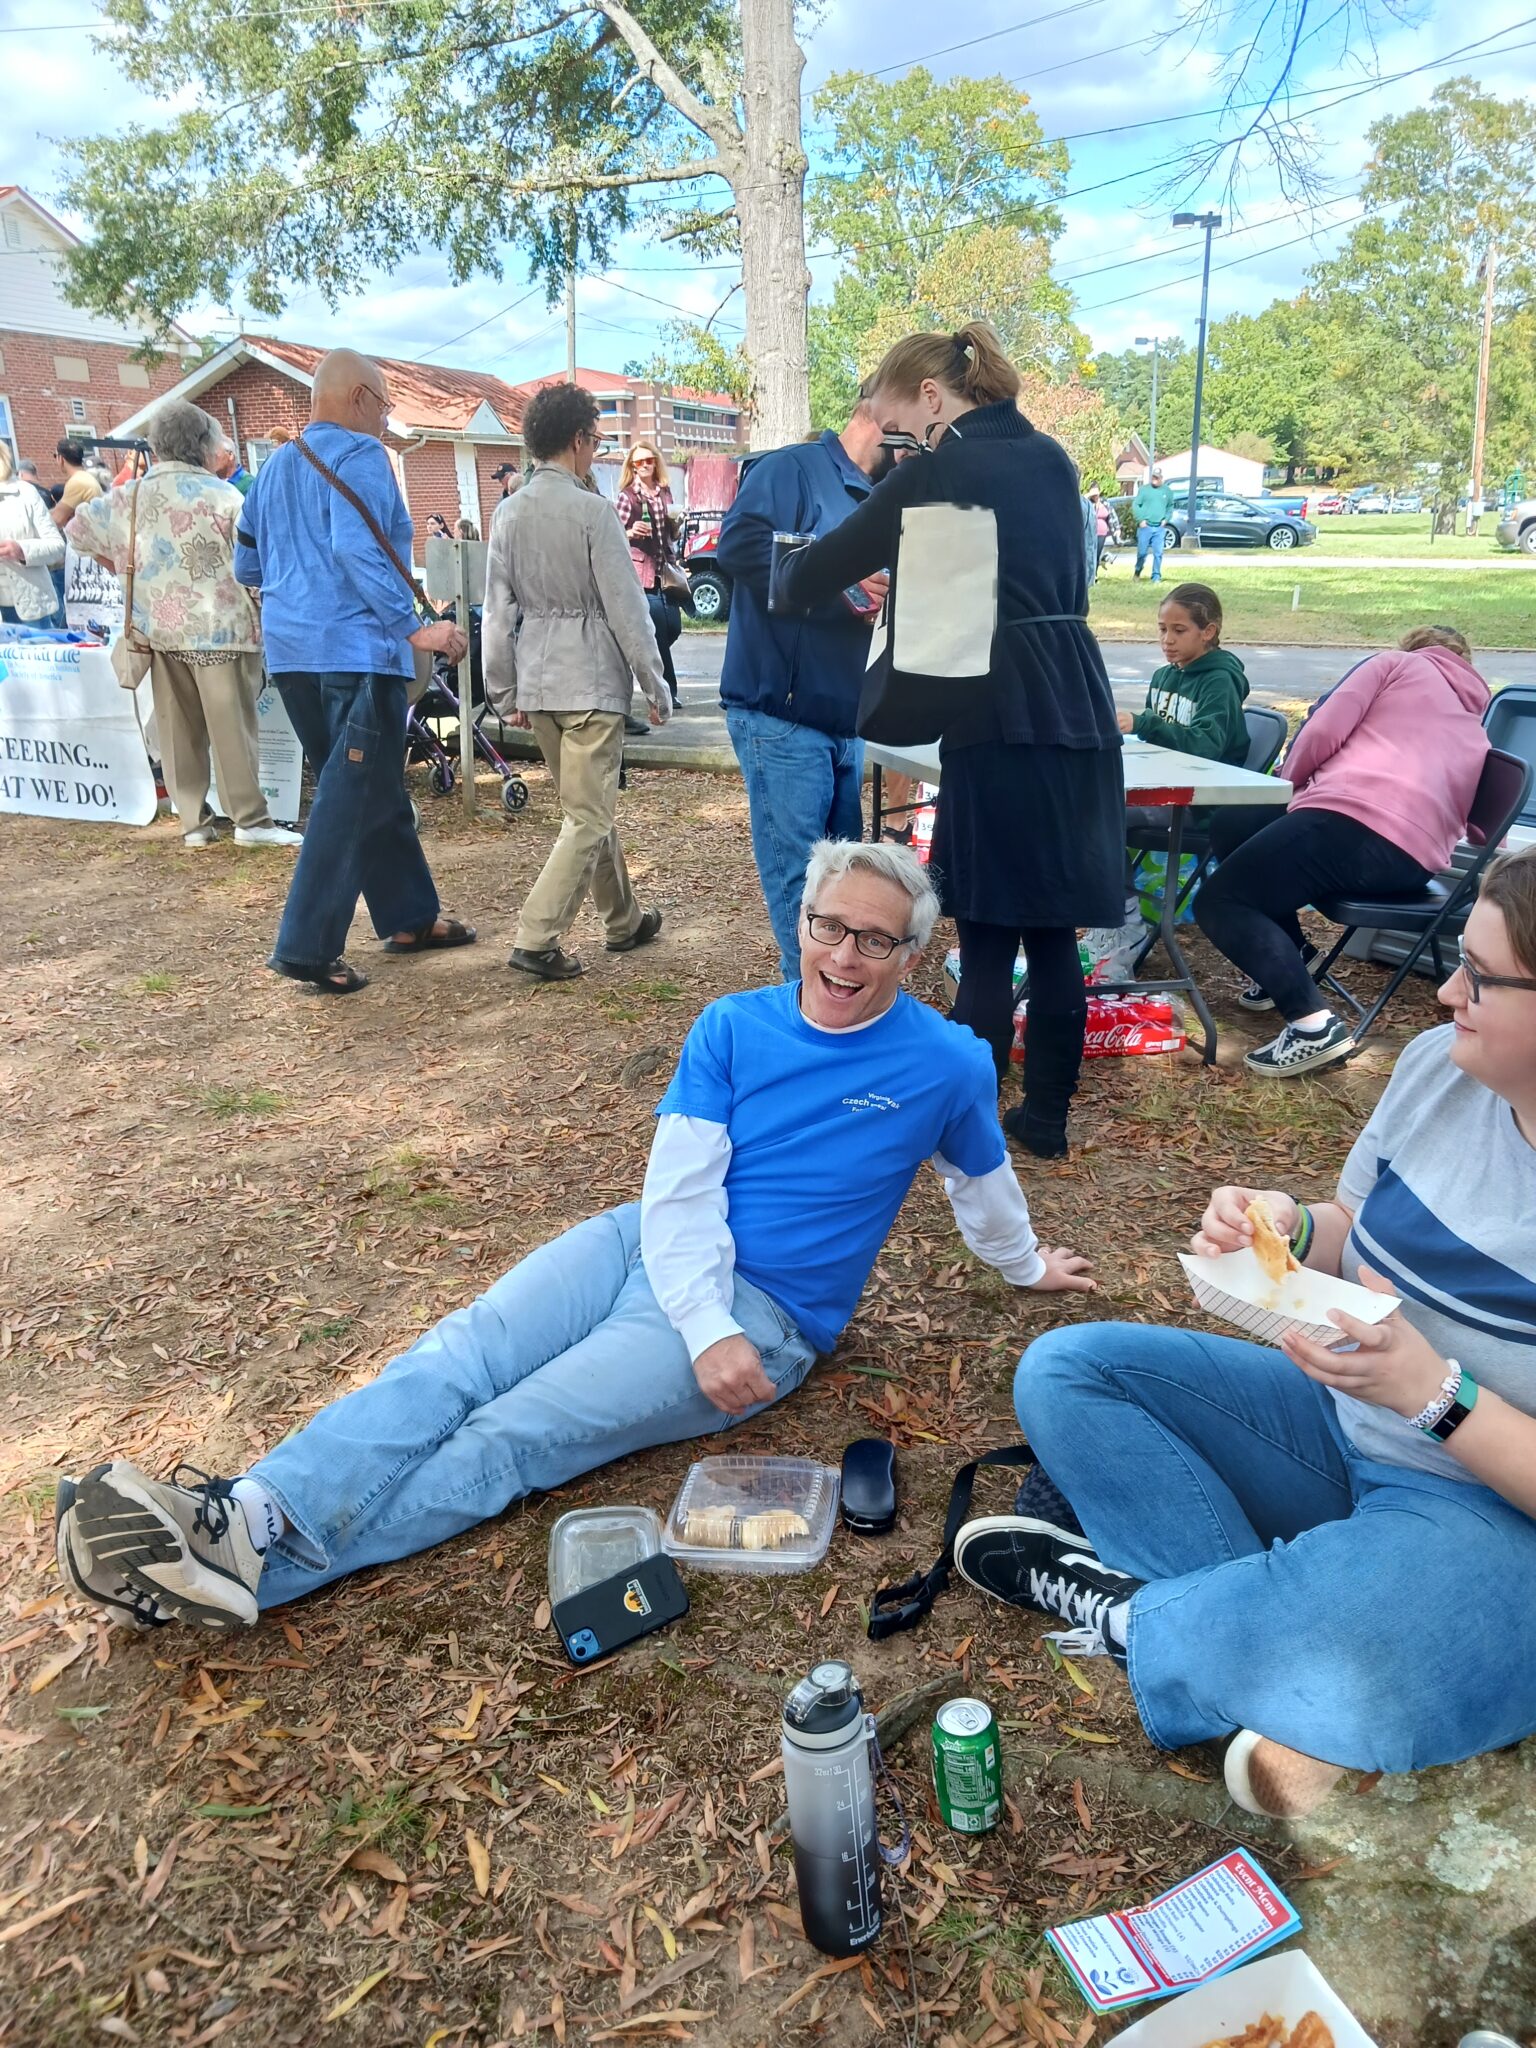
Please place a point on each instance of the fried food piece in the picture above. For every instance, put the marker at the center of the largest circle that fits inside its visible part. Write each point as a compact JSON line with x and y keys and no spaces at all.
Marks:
{"x":1269,"y":1247}
{"x":772,"y":1529}
{"x":1265,"y":2033}
{"x":1311,"y":2032}
{"x":724,"y":1529}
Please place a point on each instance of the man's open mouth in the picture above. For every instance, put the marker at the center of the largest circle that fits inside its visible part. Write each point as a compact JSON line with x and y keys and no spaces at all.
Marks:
{"x":839,"y":988}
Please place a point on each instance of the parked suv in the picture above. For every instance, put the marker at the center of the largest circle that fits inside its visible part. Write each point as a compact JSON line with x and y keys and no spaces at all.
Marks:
{"x":1517,"y":529}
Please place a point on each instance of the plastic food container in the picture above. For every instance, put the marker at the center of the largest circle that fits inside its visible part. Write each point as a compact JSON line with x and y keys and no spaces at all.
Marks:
{"x":590,"y":1544}
{"x":748,"y":1514}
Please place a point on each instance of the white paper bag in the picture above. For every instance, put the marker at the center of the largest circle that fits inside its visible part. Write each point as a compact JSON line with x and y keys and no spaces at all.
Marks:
{"x":946,"y":591}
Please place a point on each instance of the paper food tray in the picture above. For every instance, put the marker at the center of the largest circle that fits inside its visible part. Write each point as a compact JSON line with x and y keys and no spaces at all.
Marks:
{"x":1286,"y":1985}
{"x":1236,"y":1288}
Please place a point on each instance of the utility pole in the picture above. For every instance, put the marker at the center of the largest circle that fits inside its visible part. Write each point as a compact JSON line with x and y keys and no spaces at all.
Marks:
{"x":1142,"y":341}
{"x":1210,"y":222}
{"x":1490,"y":265}
{"x":570,"y":324}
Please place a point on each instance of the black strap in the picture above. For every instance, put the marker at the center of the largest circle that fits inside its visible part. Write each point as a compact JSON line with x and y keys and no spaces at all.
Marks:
{"x":897,"y":1608}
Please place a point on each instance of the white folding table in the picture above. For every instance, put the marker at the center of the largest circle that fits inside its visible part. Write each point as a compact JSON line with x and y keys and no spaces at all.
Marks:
{"x":1153,"y":775}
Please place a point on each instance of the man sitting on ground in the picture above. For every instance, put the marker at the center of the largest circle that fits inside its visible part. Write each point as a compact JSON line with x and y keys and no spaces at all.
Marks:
{"x":796,"y":1122}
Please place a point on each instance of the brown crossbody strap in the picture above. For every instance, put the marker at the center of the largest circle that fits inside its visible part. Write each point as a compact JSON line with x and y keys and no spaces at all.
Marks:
{"x":362,"y":512}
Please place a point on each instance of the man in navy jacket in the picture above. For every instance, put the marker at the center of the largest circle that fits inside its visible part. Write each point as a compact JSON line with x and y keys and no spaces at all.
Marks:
{"x":790,"y":686}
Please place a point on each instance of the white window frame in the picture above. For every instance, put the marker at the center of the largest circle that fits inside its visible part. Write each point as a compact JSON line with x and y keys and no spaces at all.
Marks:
{"x":8,"y":433}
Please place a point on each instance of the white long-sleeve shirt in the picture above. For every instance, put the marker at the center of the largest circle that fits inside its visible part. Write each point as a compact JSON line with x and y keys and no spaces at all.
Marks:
{"x":690,"y":1255}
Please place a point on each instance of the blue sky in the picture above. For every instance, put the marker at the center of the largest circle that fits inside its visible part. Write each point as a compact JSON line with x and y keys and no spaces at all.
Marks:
{"x":1097,"y":76}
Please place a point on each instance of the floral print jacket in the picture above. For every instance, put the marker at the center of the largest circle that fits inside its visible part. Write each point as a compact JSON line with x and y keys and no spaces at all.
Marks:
{"x":185,"y":596}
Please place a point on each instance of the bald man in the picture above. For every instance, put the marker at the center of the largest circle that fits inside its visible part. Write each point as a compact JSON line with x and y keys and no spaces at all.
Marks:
{"x":326,"y":538}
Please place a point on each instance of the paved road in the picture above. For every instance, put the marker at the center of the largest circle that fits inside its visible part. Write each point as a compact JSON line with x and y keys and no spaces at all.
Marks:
{"x":1291,"y":674}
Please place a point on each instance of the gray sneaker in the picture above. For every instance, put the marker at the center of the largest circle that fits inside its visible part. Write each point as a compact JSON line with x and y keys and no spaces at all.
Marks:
{"x":105,"y":1588}
{"x":186,"y":1547}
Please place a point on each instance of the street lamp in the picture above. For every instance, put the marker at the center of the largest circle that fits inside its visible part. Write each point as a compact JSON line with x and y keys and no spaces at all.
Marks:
{"x":1210,"y":222}
{"x":1150,"y":341}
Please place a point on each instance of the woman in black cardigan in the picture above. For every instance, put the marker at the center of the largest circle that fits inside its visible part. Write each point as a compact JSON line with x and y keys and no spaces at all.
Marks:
{"x":1029,"y":840}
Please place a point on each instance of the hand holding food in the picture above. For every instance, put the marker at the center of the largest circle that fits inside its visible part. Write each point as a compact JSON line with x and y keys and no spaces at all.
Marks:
{"x":1226,"y":1227}
{"x":1391,"y":1365}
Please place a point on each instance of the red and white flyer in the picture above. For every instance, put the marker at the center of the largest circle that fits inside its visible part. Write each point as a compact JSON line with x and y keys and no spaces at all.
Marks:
{"x":1222,"y":1916}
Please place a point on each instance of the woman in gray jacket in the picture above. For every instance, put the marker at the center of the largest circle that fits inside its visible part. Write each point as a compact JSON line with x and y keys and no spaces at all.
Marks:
{"x":565,"y":634}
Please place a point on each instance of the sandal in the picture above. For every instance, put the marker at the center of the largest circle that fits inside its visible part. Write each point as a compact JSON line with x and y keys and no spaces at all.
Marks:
{"x":430,"y":940}
{"x":336,"y":980}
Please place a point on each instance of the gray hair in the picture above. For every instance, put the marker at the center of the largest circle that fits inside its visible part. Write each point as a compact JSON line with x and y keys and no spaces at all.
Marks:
{"x":183,"y":432}
{"x":832,"y":858}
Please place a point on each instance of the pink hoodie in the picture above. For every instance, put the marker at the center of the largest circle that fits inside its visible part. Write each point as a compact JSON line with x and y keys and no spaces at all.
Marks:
{"x":1398,"y":746}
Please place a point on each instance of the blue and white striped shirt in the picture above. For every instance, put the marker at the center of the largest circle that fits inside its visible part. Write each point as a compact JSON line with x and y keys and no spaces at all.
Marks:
{"x":1442,"y":1186}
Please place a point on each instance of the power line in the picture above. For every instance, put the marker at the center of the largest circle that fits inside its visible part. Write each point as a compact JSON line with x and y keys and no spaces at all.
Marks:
{"x":1193,"y":276}
{"x":499,"y":314}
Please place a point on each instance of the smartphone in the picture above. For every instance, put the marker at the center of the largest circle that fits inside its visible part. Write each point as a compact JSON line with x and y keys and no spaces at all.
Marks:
{"x":860,"y":603}
{"x":633,"y":1603}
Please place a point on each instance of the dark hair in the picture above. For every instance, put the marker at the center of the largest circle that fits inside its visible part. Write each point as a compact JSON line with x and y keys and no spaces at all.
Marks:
{"x":970,"y":362}
{"x":1436,"y":636}
{"x":1202,"y":604}
{"x":1509,"y":884}
{"x":71,"y":451}
{"x":555,"y":416}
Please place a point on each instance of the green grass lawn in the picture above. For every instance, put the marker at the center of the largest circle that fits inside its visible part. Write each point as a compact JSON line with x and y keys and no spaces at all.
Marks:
{"x":1338,"y":607}
{"x":1404,"y":533}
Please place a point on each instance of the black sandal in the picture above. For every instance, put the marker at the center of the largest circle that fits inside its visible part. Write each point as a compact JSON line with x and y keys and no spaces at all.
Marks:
{"x":430,"y":940}
{"x":323,"y":978}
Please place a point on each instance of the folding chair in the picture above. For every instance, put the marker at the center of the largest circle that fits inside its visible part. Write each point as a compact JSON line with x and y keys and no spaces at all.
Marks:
{"x":1266,"y":736}
{"x":1510,"y":723}
{"x":1440,"y":909}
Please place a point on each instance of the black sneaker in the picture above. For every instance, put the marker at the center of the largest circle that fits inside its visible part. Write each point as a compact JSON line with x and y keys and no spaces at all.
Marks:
{"x":1030,"y":1563}
{"x":642,"y":935}
{"x":550,"y":965}
{"x":1042,"y":1500}
{"x":1256,"y":997}
{"x":1301,"y":1052}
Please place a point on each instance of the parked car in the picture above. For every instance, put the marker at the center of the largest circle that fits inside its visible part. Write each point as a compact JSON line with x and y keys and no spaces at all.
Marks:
{"x":1370,"y":500}
{"x":1408,"y":501}
{"x":1517,"y":529}
{"x":1331,"y":502}
{"x":1289,"y":501}
{"x":1242,"y":522}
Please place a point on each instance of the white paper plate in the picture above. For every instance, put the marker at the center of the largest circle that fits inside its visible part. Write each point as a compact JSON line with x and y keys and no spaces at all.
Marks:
{"x":1236,"y":1288}
{"x":1285,"y":1985}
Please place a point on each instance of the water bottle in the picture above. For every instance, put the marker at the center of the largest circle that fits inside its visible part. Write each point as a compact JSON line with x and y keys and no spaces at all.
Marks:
{"x":831,"y":1794}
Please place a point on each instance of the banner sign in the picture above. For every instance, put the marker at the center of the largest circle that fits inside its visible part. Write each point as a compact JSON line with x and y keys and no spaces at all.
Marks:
{"x":92,"y":595}
{"x":279,"y":758}
{"x":70,"y":746}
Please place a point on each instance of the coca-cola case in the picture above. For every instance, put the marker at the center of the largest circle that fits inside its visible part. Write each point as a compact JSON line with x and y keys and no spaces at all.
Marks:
{"x":1118,"y":1026}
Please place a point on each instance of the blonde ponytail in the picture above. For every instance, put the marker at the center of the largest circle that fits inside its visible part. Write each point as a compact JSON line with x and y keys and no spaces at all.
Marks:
{"x":970,"y":362}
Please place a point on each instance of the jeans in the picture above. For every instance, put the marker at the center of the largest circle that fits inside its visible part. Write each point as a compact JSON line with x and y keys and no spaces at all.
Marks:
{"x":667,"y":624}
{"x":802,"y":785}
{"x":1372,"y":1616}
{"x":1149,"y":540}
{"x":11,"y":617}
{"x":564,"y":1364}
{"x":360,"y":839}
{"x":1269,"y":866}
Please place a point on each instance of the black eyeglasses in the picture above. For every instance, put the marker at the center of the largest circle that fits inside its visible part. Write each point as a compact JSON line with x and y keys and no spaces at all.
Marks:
{"x":831,"y":931}
{"x":1477,"y":980}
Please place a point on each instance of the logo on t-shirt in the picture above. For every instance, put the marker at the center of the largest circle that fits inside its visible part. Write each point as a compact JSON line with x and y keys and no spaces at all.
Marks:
{"x":870,"y":1102}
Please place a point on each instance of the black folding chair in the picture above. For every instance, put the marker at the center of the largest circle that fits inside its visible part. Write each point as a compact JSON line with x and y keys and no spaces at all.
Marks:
{"x":1266,"y":736}
{"x":1510,"y":723}
{"x":1440,"y":909}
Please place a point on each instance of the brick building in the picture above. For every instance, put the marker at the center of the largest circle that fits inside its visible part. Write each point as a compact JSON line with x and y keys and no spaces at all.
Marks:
{"x":63,"y":372}
{"x":679,"y":422}
{"x":448,"y":429}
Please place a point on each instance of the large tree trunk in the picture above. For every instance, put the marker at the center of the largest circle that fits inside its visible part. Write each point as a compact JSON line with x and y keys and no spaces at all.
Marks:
{"x":770,"y":207}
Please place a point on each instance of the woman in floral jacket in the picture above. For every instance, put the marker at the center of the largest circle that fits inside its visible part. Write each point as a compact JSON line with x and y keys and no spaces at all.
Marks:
{"x":203,"y":629}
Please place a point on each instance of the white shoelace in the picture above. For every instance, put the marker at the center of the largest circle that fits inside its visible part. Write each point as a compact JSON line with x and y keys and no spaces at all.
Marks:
{"x":1059,"y":1594}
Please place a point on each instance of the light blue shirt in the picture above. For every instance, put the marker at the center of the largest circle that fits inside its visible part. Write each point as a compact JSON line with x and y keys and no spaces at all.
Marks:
{"x":331,"y":600}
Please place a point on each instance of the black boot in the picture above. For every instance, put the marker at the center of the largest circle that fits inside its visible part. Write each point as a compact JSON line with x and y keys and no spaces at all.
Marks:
{"x":1053,"y":1054}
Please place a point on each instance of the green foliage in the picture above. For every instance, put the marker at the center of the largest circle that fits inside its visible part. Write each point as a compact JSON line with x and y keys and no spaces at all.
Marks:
{"x":693,"y":359}
{"x":315,"y":144}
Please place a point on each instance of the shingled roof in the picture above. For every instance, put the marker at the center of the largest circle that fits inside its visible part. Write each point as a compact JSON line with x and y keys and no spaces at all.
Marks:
{"x":421,"y":395}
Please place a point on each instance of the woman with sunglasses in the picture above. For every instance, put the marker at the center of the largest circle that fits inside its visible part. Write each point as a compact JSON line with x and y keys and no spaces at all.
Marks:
{"x":1029,"y":834}
{"x":644,"y":506}
{"x":1328,"y":1550}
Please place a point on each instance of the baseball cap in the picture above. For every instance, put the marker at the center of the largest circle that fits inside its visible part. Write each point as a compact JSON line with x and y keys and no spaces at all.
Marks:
{"x":504,"y":469}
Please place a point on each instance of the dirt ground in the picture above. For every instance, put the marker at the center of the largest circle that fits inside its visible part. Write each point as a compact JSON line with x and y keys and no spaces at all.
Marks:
{"x":393,"y":1813}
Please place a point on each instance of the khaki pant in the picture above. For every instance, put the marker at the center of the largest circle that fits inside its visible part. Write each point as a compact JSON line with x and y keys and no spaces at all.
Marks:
{"x":582,"y":750}
{"x":196,"y":708}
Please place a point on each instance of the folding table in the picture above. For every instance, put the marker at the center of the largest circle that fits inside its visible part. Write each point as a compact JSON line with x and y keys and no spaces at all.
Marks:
{"x":1153,"y":775}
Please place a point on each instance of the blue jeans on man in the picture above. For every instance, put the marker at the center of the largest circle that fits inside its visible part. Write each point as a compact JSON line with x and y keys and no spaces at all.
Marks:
{"x":361,"y":838}
{"x":802,"y":785}
{"x":1294,"y":1585}
{"x":1149,"y":540}
{"x":564,"y":1364}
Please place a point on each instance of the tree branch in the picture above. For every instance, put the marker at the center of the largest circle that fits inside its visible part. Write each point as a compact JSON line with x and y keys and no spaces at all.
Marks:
{"x":719,"y":124}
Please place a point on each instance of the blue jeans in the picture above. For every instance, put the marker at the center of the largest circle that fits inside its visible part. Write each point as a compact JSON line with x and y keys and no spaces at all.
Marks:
{"x":1150,"y":539}
{"x":565,"y":1363}
{"x":1371,"y":1615}
{"x":802,"y":785}
{"x":360,"y":839}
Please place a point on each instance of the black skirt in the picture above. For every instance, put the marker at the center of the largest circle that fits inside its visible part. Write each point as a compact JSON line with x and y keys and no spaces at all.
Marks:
{"x":1028,"y":835}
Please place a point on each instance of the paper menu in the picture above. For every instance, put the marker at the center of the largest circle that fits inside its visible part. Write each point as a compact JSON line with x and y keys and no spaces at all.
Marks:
{"x":1215,"y":1920}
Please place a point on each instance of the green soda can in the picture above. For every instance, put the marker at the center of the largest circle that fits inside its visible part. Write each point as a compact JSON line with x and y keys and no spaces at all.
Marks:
{"x":967,"y":1767}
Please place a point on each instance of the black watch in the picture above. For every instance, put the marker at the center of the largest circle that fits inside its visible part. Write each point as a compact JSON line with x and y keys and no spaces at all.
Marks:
{"x":1451,"y":1420}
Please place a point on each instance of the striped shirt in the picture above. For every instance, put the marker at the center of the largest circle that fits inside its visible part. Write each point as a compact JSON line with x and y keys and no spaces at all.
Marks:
{"x":1443,"y":1190}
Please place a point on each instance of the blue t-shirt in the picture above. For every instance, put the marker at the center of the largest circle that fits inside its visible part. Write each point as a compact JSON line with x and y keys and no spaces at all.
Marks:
{"x":827,"y":1131}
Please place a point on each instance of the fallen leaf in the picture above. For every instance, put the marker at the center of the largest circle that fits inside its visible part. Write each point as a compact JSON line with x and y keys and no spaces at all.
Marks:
{"x":1085,"y":1734}
{"x":1077,"y":1677}
{"x":356,"y":1997}
{"x":1080,"y":1801}
{"x":380,"y":1864}
{"x":668,"y":1938}
{"x":829,"y":1600}
{"x":479,"y":1861}
{"x":41,"y":1919}
{"x":541,"y":1615}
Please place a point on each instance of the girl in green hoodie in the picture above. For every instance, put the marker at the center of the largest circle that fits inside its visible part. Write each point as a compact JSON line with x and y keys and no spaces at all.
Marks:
{"x":1195,"y":701}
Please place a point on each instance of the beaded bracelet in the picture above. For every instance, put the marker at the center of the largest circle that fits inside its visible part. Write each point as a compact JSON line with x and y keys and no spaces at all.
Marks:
{"x":1441,"y":1405}
{"x":1301,"y":1236}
